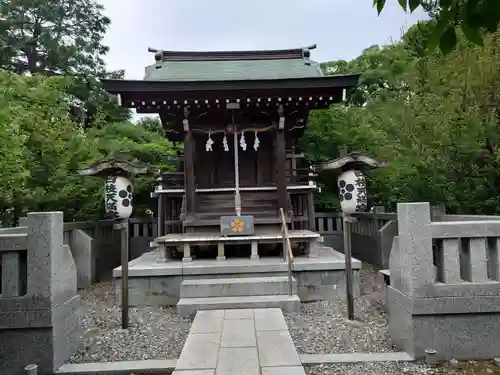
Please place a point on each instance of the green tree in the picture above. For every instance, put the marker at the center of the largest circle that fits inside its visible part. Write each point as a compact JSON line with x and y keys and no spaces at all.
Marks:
{"x":54,"y":37}
{"x":473,"y":17}
{"x":62,"y":38}
{"x":435,"y":121}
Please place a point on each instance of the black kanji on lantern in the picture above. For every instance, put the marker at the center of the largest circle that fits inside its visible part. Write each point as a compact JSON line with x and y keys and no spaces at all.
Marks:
{"x":110,"y":198}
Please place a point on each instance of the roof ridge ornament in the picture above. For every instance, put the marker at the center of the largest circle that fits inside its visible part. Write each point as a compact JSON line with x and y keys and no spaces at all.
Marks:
{"x":306,"y":54}
{"x":158,"y":56}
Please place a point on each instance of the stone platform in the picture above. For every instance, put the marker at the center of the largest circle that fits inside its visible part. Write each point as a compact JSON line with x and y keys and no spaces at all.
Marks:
{"x":158,"y":283}
{"x":244,"y":342}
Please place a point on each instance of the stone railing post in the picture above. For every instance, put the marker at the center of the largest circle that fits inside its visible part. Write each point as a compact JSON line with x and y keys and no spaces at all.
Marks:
{"x":415,"y":244}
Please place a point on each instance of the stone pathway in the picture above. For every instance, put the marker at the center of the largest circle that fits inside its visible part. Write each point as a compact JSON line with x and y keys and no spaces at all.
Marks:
{"x":239,"y":342}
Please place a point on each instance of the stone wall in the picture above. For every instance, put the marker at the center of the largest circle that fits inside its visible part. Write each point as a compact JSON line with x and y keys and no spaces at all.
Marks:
{"x":39,"y":304}
{"x":444,"y":292}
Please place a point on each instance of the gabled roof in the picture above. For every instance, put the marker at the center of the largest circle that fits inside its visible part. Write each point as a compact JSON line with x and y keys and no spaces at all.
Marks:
{"x":232,"y":65}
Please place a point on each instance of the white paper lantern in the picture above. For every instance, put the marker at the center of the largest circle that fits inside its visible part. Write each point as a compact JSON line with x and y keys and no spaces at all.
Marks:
{"x":352,"y":189}
{"x":118,"y":197}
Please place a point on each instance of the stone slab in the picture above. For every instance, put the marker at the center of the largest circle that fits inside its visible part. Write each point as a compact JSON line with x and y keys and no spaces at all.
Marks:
{"x":194,"y":372}
{"x":270,"y":319}
{"x":236,"y":286}
{"x":148,"y":266}
{"x":13,"y":241}
{"x":200,"y":352}
{"x":238,"y":361}
{"x":445,"y":305}
{"x":283,"y":370}
{"x":208,"y":322}
{"x":320,"y":359}
{"x":238,"y":334}
{"x":239,"y":314}
{"x":276,"y":348}
{"x":188,"y":306}
{"x":150,"y":366}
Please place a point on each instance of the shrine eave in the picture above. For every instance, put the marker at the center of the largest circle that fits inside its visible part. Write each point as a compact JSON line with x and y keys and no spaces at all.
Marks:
{"x":154,"y":95}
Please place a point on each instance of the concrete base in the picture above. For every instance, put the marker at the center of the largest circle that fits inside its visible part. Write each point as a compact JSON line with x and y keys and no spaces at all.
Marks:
{"x":152,"y":283}
{"x":52,"y":338}
{"x":351,"y":358}
{"x":151,"y":366}
{"x":417,"y":325}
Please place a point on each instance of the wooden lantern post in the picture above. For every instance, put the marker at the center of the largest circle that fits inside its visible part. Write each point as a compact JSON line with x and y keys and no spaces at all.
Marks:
{"x":118,"y":200}
{"x":353,"y":199}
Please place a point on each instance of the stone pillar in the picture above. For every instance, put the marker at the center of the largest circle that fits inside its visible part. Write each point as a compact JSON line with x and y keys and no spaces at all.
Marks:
{"x":415,"y":245}
{"x":51,"y":301}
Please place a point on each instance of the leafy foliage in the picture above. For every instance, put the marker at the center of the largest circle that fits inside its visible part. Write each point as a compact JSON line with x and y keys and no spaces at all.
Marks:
{"x":434,"y":118}
{"x":61,"y":38}
{"x":473,"y":17}
{"x":42,"y":146}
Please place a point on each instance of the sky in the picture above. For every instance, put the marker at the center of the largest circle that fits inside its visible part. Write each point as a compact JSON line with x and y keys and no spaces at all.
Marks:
{"x":340,"y":28}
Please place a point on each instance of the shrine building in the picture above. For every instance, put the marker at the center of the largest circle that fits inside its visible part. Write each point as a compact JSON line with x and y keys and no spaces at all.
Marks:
{"x":239,"y":116}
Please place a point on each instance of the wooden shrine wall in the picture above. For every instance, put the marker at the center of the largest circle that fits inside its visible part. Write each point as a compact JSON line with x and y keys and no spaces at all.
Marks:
{"x":216,"y":168}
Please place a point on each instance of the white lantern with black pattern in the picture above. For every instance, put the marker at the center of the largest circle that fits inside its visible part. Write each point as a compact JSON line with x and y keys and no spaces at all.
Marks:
{"x":352,"y":190}
{"x":118,"y":197}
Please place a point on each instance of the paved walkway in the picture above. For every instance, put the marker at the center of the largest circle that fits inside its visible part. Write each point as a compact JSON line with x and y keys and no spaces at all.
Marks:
{"x":239,"y":342}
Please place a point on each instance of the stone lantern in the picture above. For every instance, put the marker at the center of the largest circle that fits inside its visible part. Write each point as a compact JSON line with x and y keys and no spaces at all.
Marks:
{"x":353,"y":199}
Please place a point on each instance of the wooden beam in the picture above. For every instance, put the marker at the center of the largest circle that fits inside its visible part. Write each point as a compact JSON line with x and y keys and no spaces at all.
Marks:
{"x":280,"y":169}
{"x":189,"y":168}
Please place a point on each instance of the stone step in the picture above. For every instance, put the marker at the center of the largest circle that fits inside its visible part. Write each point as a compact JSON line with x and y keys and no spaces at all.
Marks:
{"x":189,"y":306}
{"x":234,"y":287}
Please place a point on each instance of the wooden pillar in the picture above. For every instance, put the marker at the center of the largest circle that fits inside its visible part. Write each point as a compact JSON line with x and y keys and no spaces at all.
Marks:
{"x":310,"y":211}
{"x":281,"y":162}
{"x":161,"y":215}
{"x":188,"y":165}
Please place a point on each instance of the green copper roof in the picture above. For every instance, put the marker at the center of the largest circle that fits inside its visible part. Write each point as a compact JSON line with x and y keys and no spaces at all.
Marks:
{"x":233,"y":65}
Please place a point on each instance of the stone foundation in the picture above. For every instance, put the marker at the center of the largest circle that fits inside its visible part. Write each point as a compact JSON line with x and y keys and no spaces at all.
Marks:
{"x":158,"y":284}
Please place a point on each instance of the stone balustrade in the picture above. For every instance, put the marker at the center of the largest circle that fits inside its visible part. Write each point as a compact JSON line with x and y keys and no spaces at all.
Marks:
{"x":38,"y":301}
{"x":445,"y":287}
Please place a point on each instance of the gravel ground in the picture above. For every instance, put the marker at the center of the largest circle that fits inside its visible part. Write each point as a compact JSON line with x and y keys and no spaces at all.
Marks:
{"x":379,"y":368}
{"x":417,"y":368}
{"x":155,"y":333}
{"x":322,"y":327}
